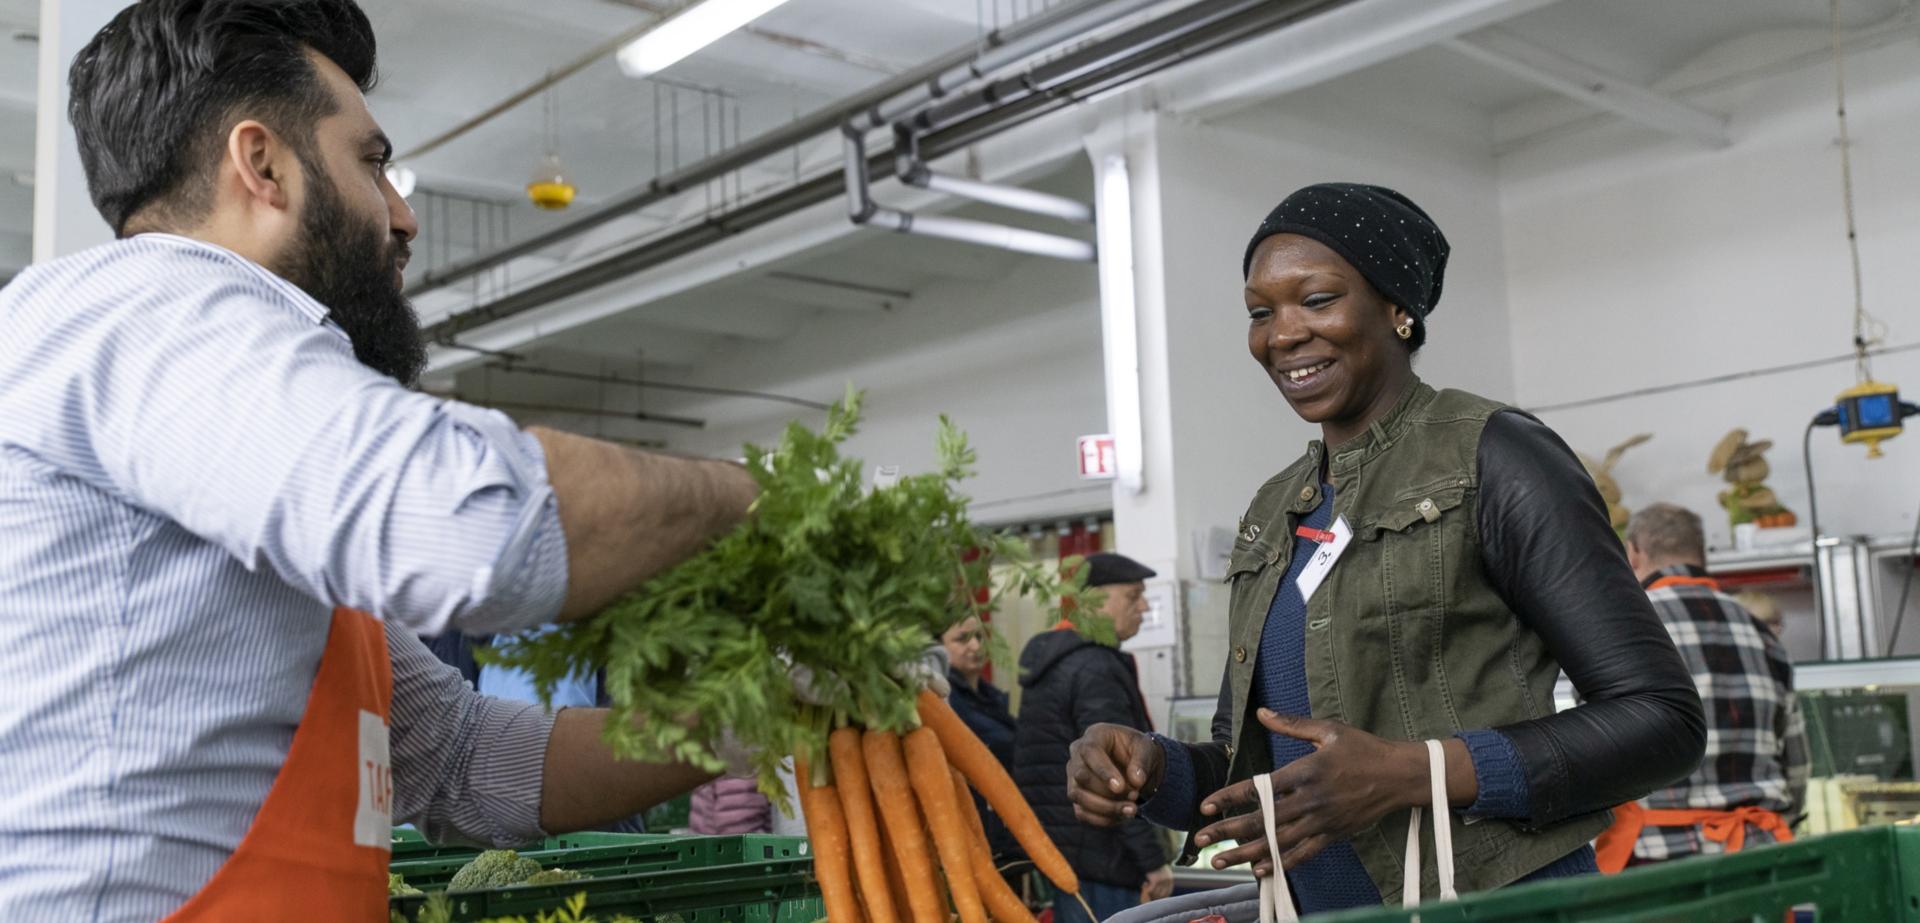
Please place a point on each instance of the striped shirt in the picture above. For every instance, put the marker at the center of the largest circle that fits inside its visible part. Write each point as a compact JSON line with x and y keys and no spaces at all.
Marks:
{"x":194,"y":470}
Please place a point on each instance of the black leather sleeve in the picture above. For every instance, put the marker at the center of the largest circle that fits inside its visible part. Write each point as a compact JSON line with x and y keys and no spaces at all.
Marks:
{"x":1550,"y":551}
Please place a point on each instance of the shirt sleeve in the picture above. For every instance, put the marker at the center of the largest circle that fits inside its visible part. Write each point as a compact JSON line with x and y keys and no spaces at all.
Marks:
{"x":210,"y":398}
{"x":1176,"y":803}
{"x":467,"y":768}
{"x":1500,"y":775}
{"x":1548,"y":548}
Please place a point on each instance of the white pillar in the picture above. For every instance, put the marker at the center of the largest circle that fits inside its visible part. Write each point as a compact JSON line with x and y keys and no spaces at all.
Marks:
{"x":1143,"y":512}
{"x":1133,"y":309}
{"x":64,"y":220}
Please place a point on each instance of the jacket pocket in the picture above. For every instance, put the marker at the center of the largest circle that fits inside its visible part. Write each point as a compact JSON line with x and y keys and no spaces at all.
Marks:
{"x":1418,"y":546}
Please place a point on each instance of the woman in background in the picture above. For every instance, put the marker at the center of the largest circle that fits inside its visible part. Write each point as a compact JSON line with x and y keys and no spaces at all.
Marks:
{"x":984,"y":707}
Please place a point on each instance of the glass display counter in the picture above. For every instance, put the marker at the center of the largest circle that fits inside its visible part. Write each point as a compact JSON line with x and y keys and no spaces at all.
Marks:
{"x":1861,"y":741}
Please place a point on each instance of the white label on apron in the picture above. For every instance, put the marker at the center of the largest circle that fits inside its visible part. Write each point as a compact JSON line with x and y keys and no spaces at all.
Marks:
{"x":1323,"y":558}
{"x":373,"y":818}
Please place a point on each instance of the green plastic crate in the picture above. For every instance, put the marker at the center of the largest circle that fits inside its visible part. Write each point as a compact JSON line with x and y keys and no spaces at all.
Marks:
{"x":752,"y":878}
{"x":430,"y":867}
{"x":1861,"y":876}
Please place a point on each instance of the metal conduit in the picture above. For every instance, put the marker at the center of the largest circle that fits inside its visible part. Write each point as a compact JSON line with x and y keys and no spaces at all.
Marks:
{"x":1043,"y":36}
{"x":862,"y":210}
{"x":1212,"y":25}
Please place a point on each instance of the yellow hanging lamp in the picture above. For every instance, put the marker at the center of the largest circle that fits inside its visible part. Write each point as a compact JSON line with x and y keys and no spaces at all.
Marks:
{"x":550,"y":189}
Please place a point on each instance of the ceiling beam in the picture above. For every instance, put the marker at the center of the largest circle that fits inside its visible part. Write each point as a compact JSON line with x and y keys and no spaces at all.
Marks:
{"x":715,"y":317}
{"x":1583,"y":82}
{"x":809,"y":290}
{"x":1349,"y":37}
{"x":627,"y":345}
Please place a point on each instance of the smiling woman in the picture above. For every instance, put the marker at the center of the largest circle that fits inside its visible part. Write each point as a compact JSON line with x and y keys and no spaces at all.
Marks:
{"x":1423,"y":572}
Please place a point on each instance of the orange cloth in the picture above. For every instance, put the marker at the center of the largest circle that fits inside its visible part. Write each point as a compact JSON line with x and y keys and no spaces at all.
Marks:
{"x":1707,"y":582}
{"x":1614,"y":848}
{"x":319,"y":847}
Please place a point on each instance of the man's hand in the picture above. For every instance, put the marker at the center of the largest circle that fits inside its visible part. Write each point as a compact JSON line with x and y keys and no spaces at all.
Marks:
{"x":1159,"y":884}
{"x":929,"y":671}
{"x":1110,"y":770}
{"x":1351,"y":780}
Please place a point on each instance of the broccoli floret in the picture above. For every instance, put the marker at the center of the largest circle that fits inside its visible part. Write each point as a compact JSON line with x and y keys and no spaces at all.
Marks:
{"x":495,"y":868}
{"x":555,"y":877}
{"x":398,"y":887}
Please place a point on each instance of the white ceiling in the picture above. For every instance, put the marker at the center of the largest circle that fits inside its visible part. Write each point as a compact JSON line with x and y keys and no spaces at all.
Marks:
{"x":1645,"y":40}
{"x":444,"y":60}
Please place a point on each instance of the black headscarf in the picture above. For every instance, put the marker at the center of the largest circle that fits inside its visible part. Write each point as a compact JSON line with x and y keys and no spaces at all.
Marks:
{"x":1399,"y":250}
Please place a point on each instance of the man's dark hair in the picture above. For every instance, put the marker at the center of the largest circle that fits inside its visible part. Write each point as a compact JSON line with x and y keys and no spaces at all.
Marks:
{"x":155,"y":94}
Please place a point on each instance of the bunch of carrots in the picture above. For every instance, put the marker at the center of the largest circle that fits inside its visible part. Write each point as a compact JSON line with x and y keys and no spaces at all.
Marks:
{"x":893,"y":812}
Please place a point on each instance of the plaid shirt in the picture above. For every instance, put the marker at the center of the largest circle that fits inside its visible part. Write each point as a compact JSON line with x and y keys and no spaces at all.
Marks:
{"x":1756,"y":739}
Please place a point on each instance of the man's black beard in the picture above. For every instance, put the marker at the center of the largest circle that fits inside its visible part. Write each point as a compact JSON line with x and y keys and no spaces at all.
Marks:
{"x":350,"y":271}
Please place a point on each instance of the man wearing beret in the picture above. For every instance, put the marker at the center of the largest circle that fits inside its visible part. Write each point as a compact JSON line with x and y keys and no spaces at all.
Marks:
{"x":1071,"y":683}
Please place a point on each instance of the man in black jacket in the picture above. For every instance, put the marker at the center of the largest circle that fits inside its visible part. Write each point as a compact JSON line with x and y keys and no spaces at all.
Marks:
{"x":1071,"y":684}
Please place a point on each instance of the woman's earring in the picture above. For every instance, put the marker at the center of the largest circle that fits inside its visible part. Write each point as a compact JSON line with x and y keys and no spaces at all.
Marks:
{"x":1405,"y":331}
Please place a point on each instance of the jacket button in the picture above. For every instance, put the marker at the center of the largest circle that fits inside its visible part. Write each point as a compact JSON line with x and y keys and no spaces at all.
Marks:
{"x":1306,"y":493}
{"x":1239,"y":655}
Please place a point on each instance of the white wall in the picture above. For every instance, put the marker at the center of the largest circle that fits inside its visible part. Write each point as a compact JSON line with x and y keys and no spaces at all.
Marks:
{"x":1232,"y":429}
{"x":1635,"y":262}
{"x":1016,"y":363}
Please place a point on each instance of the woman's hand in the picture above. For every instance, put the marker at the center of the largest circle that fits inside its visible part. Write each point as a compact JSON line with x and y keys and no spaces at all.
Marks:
{"x":1351,"y":780}
{"x":1110,"y":769}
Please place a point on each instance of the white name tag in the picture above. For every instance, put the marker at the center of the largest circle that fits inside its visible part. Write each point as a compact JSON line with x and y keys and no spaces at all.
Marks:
{"x":1323,"y":558}
{"x":373,"y":818}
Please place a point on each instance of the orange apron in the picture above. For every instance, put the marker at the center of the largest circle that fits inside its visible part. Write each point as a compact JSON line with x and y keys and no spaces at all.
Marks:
{"x":1614,"y":847}
{"x":319,"y":847}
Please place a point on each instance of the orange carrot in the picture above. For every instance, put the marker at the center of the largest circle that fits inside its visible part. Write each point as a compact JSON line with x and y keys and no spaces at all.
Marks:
{"x":1002,"y":903}
{"x":983,"y":770}
{"x":933,"y":782}
{"x":856,"y":801}
{"x":896,"y":885}
{"x":893,"y":792}
{"x":827,"y":837}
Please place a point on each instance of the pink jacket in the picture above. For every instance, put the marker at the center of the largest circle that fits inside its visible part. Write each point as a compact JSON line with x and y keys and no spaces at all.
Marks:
{"x":728,"y":806}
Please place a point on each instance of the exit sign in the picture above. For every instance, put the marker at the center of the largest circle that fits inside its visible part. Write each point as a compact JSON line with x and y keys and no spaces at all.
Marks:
{"x":1098,"y":461}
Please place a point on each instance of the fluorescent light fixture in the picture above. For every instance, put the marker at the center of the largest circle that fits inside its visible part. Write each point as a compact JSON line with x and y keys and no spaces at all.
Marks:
{"x":1019,"y":240}
{"x":402,"y":179}
{"x":1119,"y":321}
{"x":688,"y":32}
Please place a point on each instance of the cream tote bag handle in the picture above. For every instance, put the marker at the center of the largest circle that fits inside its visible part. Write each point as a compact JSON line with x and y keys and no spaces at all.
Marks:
{"x":1442,"y":834}
{"x":1276,"y":901}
